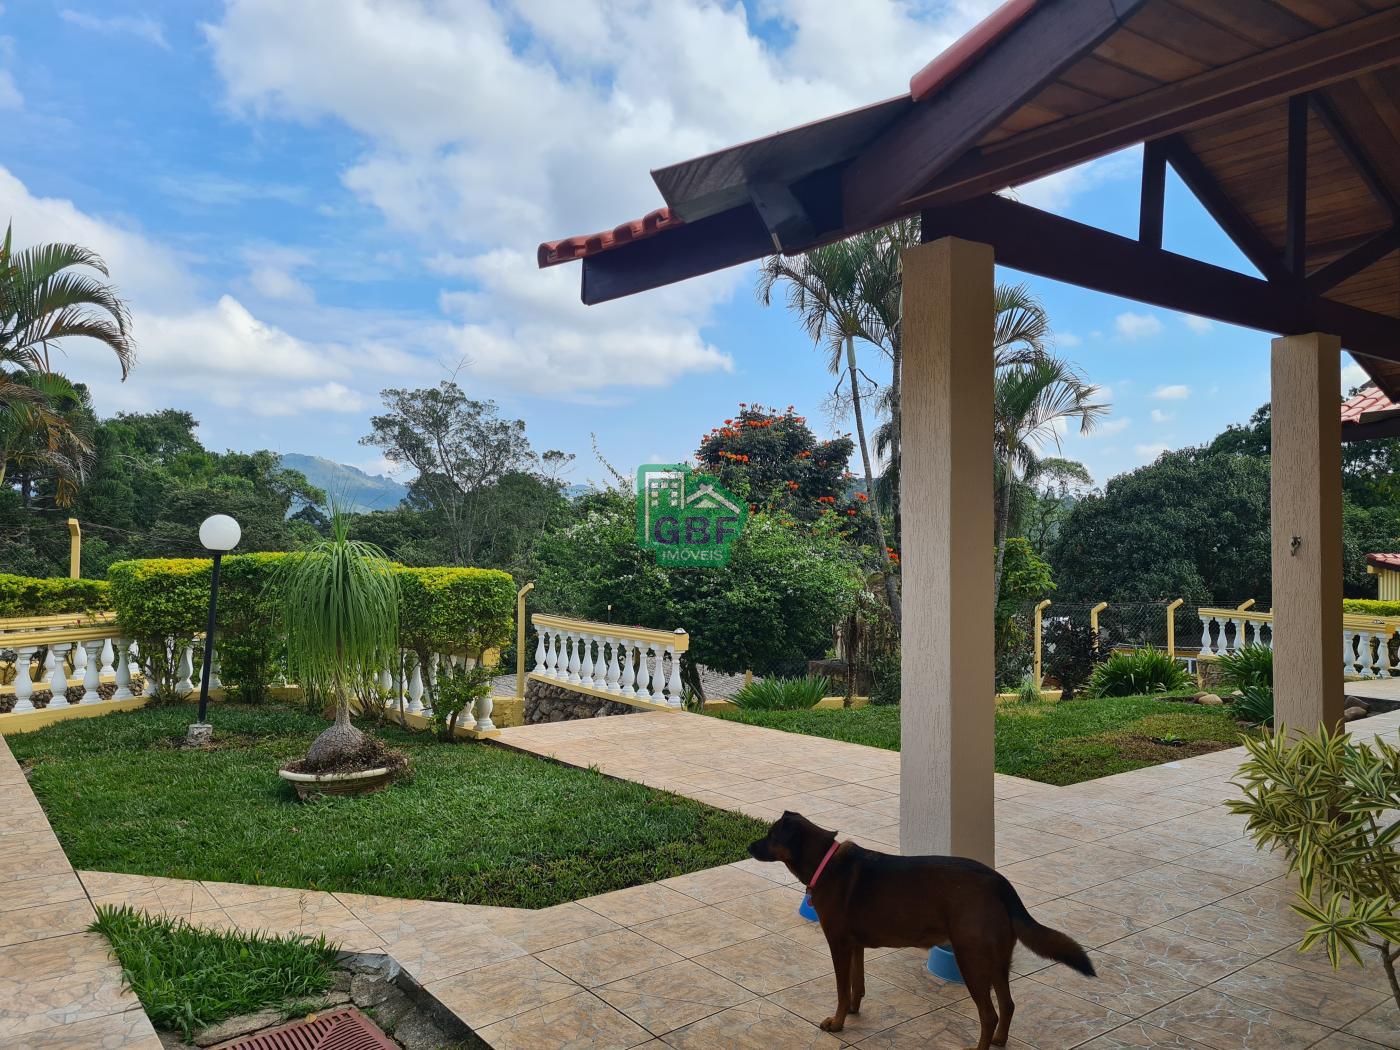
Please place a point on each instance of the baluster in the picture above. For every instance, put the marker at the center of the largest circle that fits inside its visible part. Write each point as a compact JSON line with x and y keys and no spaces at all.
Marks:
{"x":215,"y":682}
{"x":559,"y":666}
{"x":614,"y":669}
{"x":484,"y":706}
{"x":107,"y":659}
{"x":91,"y":667}
{"x":24,"y":683}
{"x":541,"y":651}
{"x":434,"y":662}
{"x":673,"y":683}
{"x":48,"y":664}
{"x":58,"y":679}
{"x":575,"y":640}
{"x":386,"y":676}
{"x":185,"y":685}
{"x":629,"y":668}
{"x":1206,"y":649}
{"x":585,"y":668}
{"x":415,"y":687}
{"x":1348,"y":653}
{"x":658,"y":676}
{"x":123,"y":671}
{"x":79,"y":660}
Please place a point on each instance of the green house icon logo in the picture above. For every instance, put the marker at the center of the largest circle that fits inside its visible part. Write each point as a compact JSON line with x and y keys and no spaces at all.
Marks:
{"x":689,"y":519}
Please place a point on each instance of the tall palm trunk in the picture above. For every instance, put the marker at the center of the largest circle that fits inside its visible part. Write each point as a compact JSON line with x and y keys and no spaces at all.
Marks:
{"x":891,"y":588}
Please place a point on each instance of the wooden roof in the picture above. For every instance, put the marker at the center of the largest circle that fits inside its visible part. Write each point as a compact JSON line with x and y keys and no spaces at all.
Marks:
{"x":1282,"y":116}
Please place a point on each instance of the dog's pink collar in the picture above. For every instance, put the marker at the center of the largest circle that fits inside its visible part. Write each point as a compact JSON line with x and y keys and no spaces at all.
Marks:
{"x":835,"y":845}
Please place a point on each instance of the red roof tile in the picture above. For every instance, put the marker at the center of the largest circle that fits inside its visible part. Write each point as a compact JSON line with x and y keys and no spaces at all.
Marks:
{"x":551,"y":253}
{"x":1384,"y":561}
{"x":1371,"y":399}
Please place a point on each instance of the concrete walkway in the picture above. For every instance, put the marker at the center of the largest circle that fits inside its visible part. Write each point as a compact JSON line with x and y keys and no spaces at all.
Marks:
{"x":1189,"y":926}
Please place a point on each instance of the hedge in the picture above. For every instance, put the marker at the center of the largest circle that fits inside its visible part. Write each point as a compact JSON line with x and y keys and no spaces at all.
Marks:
{"x":39,"y":596}
{"x":1370,"y":607}
{"x":441,"y":610}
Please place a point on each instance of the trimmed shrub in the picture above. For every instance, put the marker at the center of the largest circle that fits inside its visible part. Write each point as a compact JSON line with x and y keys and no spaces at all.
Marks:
{"x":51,"y":596}
{"x":451,"y":610}
{"x":1137,"y":672}
{"x":161,"y":603}
{"x":1071,"y":651}
{"x":1370,"y":607}
{"x":250,"y":643}
{"x":782,"y":694}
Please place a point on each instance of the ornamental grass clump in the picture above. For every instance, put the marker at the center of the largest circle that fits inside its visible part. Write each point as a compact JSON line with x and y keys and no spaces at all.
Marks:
{"x":1330,"y":804}
{"x":1137,"y":672}
{"x":782,"y":694}
{"x":340,"y":606}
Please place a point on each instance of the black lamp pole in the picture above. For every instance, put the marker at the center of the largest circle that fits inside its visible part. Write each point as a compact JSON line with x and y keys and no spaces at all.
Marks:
{"x":209,"y":639}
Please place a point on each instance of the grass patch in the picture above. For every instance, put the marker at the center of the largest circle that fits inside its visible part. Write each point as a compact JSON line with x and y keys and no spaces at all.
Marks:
{"x":1051,"y":741}
{"x":473,"y":823}
{"x":188,"y":979}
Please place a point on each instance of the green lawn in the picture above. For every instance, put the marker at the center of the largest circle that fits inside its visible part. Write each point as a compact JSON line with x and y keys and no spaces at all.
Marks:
{"x":1053,"y":742}
{"x":475,"y":823}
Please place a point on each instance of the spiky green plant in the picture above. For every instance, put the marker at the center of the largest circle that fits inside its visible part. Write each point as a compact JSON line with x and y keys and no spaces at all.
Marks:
{"x":1137,"y":672}
{"x":341,"y":610}
{"x":782,"y":694}
{"x":1329,"y":803}
{"x":1249,"y":665}
{"x":1254,"y":705}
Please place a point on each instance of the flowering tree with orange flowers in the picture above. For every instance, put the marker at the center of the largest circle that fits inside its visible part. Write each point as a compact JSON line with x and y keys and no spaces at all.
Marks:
{"x":772,"y":459}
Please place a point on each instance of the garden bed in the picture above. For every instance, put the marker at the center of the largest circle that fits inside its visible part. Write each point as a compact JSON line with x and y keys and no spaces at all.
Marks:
{"x":473,"y":823}
{"x":1055,"y":742}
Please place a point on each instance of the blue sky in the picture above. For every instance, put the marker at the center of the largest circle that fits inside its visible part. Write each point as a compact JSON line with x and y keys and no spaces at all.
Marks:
{"x":306,"y":203}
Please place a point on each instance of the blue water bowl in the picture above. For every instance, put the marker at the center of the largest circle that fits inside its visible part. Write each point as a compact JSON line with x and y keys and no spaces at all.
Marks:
{"x":806,"y":910}
{"x":943,"y":965}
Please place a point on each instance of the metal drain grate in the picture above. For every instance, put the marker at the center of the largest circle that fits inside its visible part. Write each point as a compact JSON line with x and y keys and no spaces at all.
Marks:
{"x":344,"y":1029}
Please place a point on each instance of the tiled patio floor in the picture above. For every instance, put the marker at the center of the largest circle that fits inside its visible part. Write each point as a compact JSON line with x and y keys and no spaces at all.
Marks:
{"x":1188,"y":926}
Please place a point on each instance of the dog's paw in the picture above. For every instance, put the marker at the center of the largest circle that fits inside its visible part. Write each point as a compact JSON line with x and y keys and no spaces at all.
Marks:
{"x":832,"y":1025}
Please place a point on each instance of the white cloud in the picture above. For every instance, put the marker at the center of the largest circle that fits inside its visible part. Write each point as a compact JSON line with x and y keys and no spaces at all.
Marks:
{"x":1199,"y":325}
{"x":1110,"y":427}
{"x":1173,"y":392}
{"x":1148,"y":452}
{"x":1056,"y":192}
{"x":143,"y":26}
{"x":1353,"y":375}
{"x":1158,"y":416}
{"x":1068,"y":339}
{"x":1137,"y":326}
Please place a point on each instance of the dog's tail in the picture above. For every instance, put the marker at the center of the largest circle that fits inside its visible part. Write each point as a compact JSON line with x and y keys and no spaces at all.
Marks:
{"x":1045,"y":942}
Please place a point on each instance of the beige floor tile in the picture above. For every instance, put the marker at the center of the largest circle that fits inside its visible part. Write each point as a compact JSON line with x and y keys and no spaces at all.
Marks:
{"x":774,"y":909}
{"x":47,"y":920}
{"x":608,"y":957}
{"x":1315,"y":960}
{"x":695,"y":932}
{"x":1148,"y":842}
{"x":640,"y":904}
{"x":1312,"y":996}
{"x":29,"y":865}
{"x":1138,"y":1035}
{"x":395,"y":919}
{"x":672,"y":996}
{"x":1224,"y":926}
{"x":1051,"y":1019}
{"x":756,"y":1025}
{"x":1223,"y":1021}
{"x":797,"y":783}
{"x":42,"y":889}
{"x":1342,"y":1041}
{"x":492,"y":993}
{"x":1381,"y":1024}
{"x":1188,"y":959}
{"x":1092,"y":927}
{"x":129,"y":1030}
{"x":1273,"y":902}
{"x":309,"y":913}
{"x":768,"y":964}
{"x":54,"y":957}
{"x":580,"y":1022}
{"x":32,"y":1006}
{"x":235,"y":894}
{"x":885,"y":1005}
{"x":769,"y":870}
{"x":537,"y":931}
{"x":446,"y":953}
{"x":1237,"y":863}
{"x":944,"y":1029}
{"x":37,"y":841}
{"x":1120,"y":985}
{"x":714,"y":885}
{"x":907,"y":969}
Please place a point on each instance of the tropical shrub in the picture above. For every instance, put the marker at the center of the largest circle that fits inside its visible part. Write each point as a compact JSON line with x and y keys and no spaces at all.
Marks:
{"x":1328,"y":803}
{"x":161,"y":604}
{"x":458,"y":689}
{"x":51,"y":596}
{"x":1070,"y":652}
{"x":1137,"y":672}
{"x":885,"y":672}
{"x":1248,"y":666}
{"x":1254,"y":705}
{"x":249,"y":638}
{"x":782,"y":694}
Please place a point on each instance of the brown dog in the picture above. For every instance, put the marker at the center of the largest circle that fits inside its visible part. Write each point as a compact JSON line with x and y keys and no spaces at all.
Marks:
{"x":866,"y":899}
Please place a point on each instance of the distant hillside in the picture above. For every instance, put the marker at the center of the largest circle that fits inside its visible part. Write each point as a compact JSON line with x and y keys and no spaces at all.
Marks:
{"x":351,"y":485}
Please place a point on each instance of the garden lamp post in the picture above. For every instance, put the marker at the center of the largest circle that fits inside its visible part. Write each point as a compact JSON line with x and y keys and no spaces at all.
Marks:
{"x":220,"y":534}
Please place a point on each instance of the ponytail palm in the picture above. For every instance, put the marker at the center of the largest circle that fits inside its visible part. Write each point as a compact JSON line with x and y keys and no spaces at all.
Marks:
{"x":341,"y":607}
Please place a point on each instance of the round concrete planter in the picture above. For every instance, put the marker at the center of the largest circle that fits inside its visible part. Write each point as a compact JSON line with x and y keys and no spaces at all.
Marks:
{"x":361,"y":782}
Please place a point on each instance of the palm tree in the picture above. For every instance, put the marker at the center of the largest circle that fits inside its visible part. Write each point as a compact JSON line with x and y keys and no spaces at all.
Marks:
{"x":46,"y":427}
{"x":341,"y":606}
{"x":1033,"y":399}
{"x":826,"y":289}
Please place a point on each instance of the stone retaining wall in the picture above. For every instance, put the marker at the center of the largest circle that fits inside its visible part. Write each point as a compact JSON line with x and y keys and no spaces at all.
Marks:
{"x":547,"y":702}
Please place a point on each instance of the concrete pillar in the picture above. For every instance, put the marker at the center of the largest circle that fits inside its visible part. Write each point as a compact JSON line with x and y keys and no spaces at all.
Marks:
{"x":947,"y":716}
{"x":1306,"y":508}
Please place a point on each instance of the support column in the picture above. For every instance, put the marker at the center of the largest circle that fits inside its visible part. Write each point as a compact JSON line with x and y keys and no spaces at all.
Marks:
{"x":1306,"y":511}
{"x":947,"y":717}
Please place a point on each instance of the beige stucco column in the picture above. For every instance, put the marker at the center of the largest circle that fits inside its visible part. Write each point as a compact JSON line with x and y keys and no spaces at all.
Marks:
{"x":1306,"y":497}
{"x":947,"y":716}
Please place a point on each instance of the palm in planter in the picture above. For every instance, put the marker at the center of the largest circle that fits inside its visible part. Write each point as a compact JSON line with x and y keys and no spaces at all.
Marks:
{"x":341,"y":609}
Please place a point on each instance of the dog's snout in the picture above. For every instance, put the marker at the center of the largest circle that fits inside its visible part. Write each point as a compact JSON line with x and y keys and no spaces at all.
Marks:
{"x":759,"y":850}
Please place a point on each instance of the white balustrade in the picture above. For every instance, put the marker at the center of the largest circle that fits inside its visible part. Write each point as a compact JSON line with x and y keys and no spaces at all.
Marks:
{"x":185,"y":685}
{"x":92,"y":667}
{"x":1365,"y":640}
{"x":123,"y":671}
{"x":24,"y":684}
{"x":608,"y":660}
